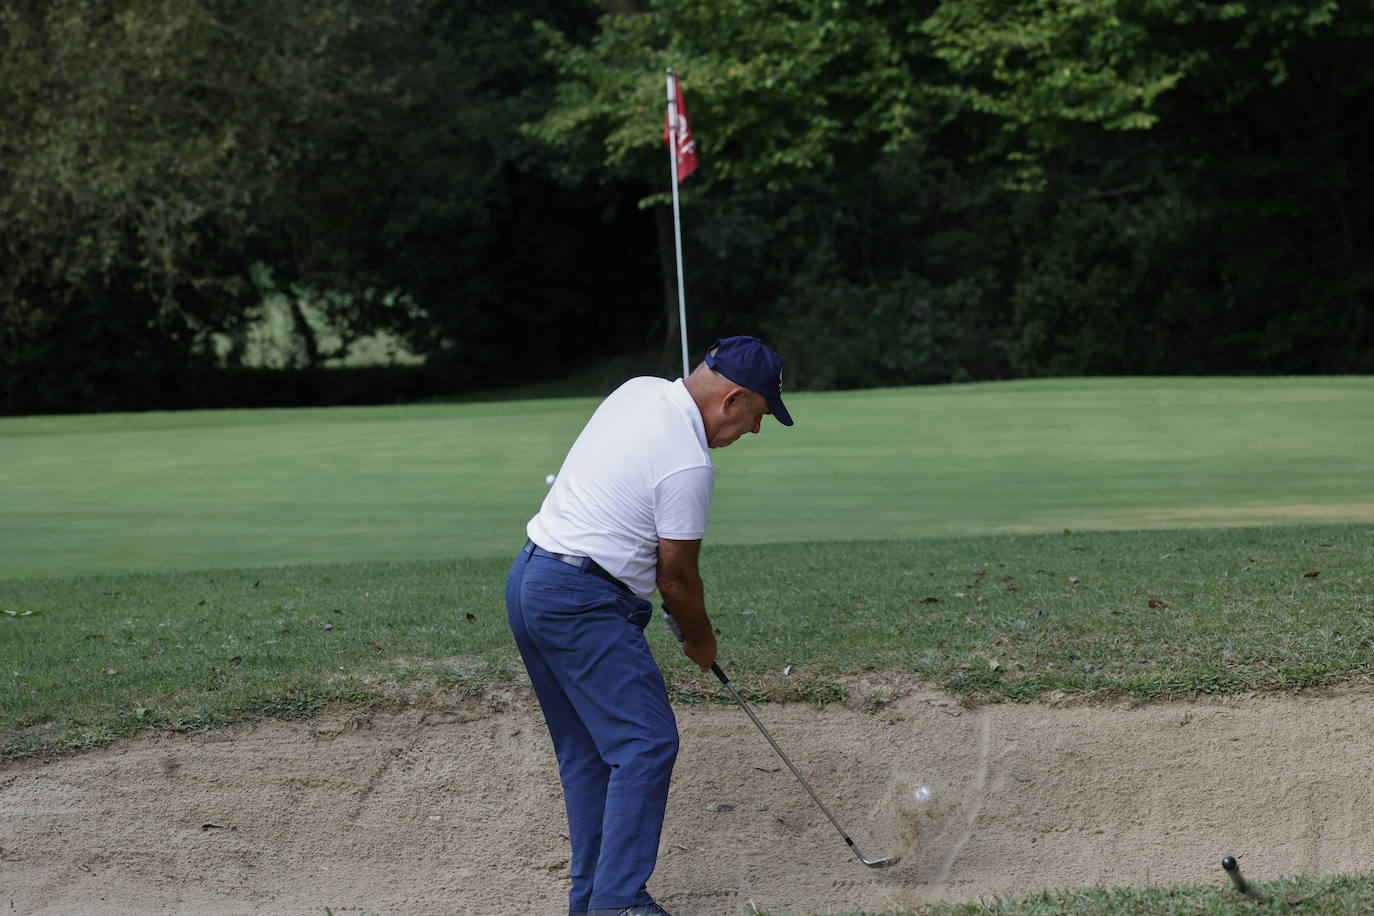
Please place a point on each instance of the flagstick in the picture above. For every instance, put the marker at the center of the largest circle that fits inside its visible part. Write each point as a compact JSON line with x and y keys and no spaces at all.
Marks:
{"x":677,"y":221}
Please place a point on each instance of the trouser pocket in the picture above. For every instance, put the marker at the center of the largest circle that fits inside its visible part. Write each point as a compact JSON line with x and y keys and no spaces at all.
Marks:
{"x":637,"y":610}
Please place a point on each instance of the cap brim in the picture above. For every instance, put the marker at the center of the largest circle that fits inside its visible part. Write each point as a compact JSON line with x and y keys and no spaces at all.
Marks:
{"x":775,"y":406}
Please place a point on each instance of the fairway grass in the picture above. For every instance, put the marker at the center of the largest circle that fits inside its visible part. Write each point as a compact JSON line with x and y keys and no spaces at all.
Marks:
{"x":236,"y":489}
{"x":1147,"y":614}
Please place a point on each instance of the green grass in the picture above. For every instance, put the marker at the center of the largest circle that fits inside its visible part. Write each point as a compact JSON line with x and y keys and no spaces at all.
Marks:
{"x":100,"y":657}
{"x":1340,"y":895}
{"x":1152,"y":614}
{"x":230,"y":489}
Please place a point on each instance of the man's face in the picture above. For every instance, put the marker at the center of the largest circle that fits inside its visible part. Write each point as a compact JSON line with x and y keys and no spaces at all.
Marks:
{"x":740,"y":414}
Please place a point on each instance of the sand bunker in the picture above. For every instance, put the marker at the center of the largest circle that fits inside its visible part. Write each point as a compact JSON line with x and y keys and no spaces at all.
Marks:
{"x":460,"y":813}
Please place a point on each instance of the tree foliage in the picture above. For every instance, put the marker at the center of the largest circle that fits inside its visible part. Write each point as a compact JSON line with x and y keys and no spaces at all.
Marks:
{"x":787,"y":88}
{"x":895,"y":194}
{"x":168,"y":164}
{"x":154,"y":151}
{"x":1188,"y":181}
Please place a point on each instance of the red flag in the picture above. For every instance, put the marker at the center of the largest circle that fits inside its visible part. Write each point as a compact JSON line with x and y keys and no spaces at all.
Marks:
{"x":686,"y":146}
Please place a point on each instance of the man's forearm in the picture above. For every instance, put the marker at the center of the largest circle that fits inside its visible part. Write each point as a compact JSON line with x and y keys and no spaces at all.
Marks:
{"x":685,"y":600}
{"x":679,"y":582}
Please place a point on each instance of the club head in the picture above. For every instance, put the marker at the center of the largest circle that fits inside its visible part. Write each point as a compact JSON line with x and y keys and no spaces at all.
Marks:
{"x":871,"y":863}
{"x":879,"y":863}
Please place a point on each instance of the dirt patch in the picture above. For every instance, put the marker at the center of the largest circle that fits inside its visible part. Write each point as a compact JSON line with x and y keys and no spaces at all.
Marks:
{"x":460,"y":813}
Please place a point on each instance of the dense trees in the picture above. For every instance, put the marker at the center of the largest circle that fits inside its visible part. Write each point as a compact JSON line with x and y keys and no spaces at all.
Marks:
{"x":894,"y":193}
{"x":165,"y":165}
{"x":154,"y":152}
{"x":988,"y":187}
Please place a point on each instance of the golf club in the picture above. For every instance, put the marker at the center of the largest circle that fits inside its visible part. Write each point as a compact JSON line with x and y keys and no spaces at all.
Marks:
{"x":871,"y":863}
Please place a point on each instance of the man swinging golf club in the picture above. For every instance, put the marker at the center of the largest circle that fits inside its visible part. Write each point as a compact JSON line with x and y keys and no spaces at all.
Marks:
{"x":625,"y":516}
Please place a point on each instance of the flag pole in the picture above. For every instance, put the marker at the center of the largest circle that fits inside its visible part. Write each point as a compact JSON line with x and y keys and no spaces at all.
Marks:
{"x":677,"y":220}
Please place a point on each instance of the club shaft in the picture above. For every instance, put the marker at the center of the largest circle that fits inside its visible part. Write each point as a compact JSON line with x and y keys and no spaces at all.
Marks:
{"x":715,"y":668}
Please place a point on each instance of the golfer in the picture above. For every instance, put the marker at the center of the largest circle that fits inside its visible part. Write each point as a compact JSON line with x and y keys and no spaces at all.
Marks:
{"x":625,"y":516}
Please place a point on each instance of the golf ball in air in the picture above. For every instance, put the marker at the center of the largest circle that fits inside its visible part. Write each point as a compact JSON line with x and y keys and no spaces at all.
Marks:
{"x":550,"y":479}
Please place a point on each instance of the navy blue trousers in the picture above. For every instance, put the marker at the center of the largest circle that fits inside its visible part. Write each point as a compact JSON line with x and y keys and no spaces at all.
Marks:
{"x":606,"y":706}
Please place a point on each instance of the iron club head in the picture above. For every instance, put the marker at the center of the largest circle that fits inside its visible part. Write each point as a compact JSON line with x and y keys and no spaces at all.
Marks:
{"x":878,"y":863}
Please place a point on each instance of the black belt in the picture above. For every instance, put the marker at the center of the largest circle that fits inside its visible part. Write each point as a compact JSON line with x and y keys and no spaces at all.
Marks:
{"x":590,"y":566}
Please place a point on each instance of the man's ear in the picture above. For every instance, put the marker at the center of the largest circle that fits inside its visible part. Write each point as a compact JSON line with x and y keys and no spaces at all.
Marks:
{"x":734,"y":397}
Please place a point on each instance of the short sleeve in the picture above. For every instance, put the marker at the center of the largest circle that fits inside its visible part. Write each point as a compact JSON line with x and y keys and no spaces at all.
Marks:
{"x":682,"y":504}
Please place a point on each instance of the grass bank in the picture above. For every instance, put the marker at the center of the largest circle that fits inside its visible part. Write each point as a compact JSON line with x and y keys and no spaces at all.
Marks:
{"x":1340,"y":895}
{"x":1148,"y":614}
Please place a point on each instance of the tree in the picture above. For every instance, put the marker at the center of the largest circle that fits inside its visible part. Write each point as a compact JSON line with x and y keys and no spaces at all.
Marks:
{"x":166,"y":165}
{"x":1149,"y":233}
{"x":781,"y":89}
{"x":833,"y":208}
{"x":154,"y":151}
{"x":522,"y":271}
{"x":1229,"y":236}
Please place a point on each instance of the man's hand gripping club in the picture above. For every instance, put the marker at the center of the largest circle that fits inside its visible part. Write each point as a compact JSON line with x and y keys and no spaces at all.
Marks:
{"x":703,"y":652}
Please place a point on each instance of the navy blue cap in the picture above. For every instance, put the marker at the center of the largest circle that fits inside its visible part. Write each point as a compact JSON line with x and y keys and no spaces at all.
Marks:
{"x":750,"y":362}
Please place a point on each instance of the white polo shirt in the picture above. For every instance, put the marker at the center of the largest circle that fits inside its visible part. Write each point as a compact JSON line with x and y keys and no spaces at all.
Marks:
{"x":639,"y":471}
